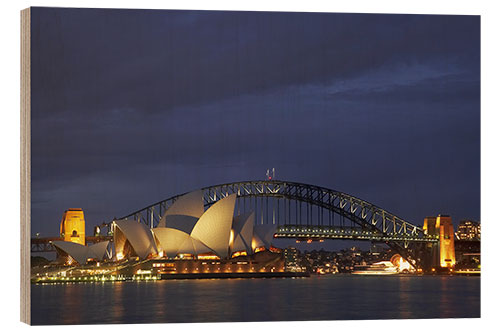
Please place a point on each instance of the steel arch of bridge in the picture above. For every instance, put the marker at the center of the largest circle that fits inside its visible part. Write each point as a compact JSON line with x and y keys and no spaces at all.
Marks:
{"x":368,"y":221}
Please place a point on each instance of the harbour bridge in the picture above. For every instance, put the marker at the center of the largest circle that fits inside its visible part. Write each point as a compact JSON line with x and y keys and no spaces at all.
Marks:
{"x":303,"y":212}
{"x":309,"y":212}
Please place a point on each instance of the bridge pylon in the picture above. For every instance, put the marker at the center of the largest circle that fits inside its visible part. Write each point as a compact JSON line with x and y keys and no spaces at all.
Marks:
{"x":442,"y":254}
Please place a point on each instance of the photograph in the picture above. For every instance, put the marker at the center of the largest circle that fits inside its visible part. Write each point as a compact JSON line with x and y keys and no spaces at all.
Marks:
{"x":194,"y":166}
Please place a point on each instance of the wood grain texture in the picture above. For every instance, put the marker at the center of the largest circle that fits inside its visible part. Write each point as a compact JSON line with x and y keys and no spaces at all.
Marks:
{"x":25,"y":164}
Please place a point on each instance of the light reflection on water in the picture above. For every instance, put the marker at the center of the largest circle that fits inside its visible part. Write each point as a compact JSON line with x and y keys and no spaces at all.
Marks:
{"x":340,"y":297}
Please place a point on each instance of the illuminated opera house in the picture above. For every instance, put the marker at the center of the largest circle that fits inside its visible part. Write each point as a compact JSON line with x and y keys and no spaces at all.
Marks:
{"x":187,"y":240}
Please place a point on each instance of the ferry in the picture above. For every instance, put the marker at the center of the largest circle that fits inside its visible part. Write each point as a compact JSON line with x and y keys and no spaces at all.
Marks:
{"x":467,"y":271}
{"x":378,"y":268}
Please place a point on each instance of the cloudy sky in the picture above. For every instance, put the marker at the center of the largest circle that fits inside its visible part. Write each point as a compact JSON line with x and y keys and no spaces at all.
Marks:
{"x":131,"y":107}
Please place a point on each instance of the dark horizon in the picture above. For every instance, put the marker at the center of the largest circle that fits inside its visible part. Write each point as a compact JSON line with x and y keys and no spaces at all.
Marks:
{"x":130,"y":107}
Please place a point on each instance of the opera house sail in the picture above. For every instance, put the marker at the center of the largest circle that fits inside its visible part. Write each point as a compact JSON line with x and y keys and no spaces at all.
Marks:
{"x":242,"y":234}
{"x":81,"y":253}
{"x":214,"y":226}
{"x":132,"y":238}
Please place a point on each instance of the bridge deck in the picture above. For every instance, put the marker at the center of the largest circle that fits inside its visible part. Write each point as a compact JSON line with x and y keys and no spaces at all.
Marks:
{"x":352,"y":233}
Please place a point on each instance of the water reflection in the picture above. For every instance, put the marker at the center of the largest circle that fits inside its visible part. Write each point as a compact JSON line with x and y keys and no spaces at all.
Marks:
{"x":339,"y":297}
{"x":117,"y":311}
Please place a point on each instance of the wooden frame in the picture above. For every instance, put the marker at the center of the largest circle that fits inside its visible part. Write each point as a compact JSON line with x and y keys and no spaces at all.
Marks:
{"x":25,"y":164}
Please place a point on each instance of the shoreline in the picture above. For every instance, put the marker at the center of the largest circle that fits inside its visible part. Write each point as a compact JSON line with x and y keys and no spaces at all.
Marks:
{"x":176,"y":276}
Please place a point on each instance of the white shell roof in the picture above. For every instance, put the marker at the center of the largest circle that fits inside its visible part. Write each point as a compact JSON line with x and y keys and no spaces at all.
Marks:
{"x":170,"y":240}
{"x":82,"y":253}
{"x":138,"y":235}
{"x":214,"y":226}
{"x":265,"y":232}
{"x":243,"y":232}
{"x":183,"y":223}
{"x":75,"y":250}
{"x":257,"y":242}
{"x":190,"y":204}
{"x":193,"y":246}
{"x":239,"y":245}
{"x":98,"y":250}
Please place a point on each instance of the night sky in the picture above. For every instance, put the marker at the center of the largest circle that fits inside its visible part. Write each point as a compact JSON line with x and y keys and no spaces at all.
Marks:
{"x":131,"y":107}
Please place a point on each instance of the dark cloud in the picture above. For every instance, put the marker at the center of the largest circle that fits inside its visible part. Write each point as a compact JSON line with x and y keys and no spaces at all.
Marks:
{"x":95,"y":60}
{"x":131,"y":107}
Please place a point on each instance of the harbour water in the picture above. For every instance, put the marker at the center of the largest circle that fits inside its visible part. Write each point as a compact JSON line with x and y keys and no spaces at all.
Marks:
{"x":335,"y":297}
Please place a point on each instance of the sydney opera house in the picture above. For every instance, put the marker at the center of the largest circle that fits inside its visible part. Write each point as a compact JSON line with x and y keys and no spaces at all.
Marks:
{"x":188,"y":240}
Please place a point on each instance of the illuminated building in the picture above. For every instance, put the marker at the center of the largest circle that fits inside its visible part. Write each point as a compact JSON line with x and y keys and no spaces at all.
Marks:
{"x":291,"y":255}
{"x":190,"y":240}
{"x":467,"y":253}
{"x":187,"y":232}
{"x":263,"y":262}
{"x":446,"y":241}
{"x":469,"y":230}
{"x":73,"y":226}
{"x":77,"y":253}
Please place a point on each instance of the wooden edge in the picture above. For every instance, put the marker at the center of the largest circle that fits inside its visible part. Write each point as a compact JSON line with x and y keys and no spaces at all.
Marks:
{"x":25,"y":165}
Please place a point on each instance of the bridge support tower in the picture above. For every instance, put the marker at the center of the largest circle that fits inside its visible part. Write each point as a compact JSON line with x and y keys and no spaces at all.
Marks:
{"x":73,"y":226}
{"x":442,"y":254}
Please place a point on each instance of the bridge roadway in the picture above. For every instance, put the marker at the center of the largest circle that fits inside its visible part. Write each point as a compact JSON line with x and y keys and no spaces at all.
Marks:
{"x":348,"y":233}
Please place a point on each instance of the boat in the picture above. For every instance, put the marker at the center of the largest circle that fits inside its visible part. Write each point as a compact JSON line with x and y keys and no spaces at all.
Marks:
{"x":378,"y":268}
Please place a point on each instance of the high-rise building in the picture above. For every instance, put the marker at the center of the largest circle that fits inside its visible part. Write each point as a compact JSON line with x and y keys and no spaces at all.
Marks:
{"x":73,"y":226}
{"x":469,"y":230}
